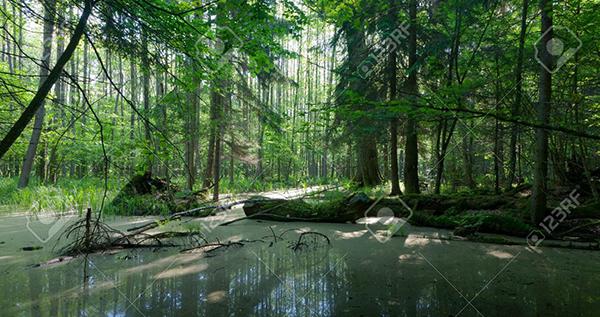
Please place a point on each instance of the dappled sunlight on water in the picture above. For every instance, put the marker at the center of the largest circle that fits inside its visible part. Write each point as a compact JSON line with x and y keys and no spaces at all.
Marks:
{"x":407,"y":276}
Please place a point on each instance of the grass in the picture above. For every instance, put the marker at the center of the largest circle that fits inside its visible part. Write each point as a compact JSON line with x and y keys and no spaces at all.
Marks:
{"x":66,"y":195}
{"x":76,"y":195}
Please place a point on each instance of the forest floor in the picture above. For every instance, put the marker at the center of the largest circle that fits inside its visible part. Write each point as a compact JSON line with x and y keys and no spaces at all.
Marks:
{"x":418,"y":272}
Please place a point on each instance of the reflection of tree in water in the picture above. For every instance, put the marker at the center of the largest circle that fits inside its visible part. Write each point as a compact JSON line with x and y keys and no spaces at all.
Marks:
{"x":277,"y":281}
{"x":305,"y":283}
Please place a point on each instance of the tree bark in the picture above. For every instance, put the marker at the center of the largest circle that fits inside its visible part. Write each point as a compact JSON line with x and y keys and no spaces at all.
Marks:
{"x":538,"y":196}
{"x":515,"y":110}
{"x":146,"y":100}
{"x":411,"y":161}
{"x":393,"y":89}
{"x":49,"y":11}
{"x":59,"y":91}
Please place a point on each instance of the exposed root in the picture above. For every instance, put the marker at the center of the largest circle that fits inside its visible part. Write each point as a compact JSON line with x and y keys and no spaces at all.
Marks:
{"x":90,"y":236}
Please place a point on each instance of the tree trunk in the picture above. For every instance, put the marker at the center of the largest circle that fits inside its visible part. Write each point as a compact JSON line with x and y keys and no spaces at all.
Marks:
{"x":133,"y":95}
{"x":59,"y":91}
{"x":515,"y":110}
{"x":538,"y":196}
{"x":210,"y":153}
{"x":411,"y":161}
{"x":146,"y":100}
{"x":49,"y":10}
{"x":190,"y":128}
{"x":467,"y":147}
{"x":218,"y":142}
{"x":393,"y":88}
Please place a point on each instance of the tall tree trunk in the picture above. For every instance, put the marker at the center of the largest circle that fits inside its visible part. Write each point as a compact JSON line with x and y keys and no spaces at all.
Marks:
{"x":538,"y":196}
{"x":59,"y":92}
{"x":393,"y":89}
{"x":515,"y":109}
{"x":146,"y":99}
{"x":74,"y":100}
{"x":82,"y":166}
{"x":446,"y":132}
{"x":366,"y":146}
{"x":498,"y":131}
{"x":190,"y":128}
{"x":133,"y":94}
{"x":38,"y":124}
{"x":411,"y":161}
{"x":367,"y":162}
{"x":218,"y":142}
{"x":210,"y":153}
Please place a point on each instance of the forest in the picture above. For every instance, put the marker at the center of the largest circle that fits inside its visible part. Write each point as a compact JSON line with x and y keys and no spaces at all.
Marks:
{"x":299,"y":158}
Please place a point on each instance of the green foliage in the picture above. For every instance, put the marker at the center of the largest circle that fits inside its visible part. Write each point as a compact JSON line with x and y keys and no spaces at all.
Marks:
{"x":141,"y":205}
{"x":67,"y":195}
{"x":474,"y":222}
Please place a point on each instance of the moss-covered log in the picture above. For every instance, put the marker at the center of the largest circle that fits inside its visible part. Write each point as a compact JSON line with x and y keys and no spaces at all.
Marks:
{"x":355,"y":206}
{"x":348,"y":209}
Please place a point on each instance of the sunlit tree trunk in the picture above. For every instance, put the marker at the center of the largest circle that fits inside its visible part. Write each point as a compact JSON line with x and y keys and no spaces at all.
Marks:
{"x":59,"y":92}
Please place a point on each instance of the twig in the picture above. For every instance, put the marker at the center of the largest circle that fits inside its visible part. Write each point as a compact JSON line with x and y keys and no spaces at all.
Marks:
{"x":299,"y":243}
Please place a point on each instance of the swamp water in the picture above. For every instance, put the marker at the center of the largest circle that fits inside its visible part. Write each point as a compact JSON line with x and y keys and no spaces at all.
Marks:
{"x":355,"y":276}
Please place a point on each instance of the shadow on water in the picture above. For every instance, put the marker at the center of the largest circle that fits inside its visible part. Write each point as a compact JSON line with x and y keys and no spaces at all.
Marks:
{"x":356,"y":276}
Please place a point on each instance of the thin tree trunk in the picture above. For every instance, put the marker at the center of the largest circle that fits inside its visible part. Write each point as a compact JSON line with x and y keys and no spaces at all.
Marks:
{"x":210,"y":153}
{"x":146,"y":99}
{"x":49,"y":11}
{"x":59,"y":91}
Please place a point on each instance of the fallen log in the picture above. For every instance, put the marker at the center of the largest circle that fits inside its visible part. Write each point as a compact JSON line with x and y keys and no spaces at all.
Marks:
{"x":358,"y":205}
{"x":337,"y":211}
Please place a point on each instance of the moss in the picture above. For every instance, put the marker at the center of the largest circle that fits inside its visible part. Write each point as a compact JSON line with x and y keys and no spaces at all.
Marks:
{"x":493,"y":223}
{"x":422,"y":219}
{"x":448,"y":212}
{"x":470,"y":223}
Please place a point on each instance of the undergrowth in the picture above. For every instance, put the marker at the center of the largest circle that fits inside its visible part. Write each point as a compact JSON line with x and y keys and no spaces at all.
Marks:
{"x":67,"y":195}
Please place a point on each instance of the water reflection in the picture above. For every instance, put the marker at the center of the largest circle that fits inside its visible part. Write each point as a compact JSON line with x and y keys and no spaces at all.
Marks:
{"x":258,"y":280}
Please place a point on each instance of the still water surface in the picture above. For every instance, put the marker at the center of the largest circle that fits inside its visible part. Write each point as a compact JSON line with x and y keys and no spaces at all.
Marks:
{"x":356,"y":276}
